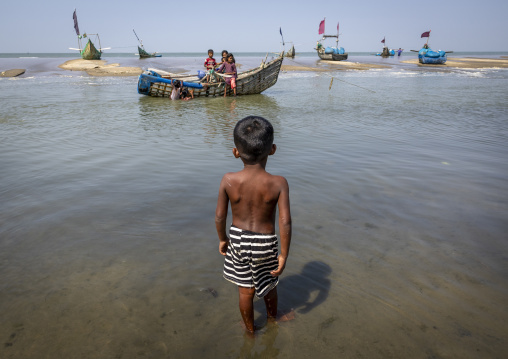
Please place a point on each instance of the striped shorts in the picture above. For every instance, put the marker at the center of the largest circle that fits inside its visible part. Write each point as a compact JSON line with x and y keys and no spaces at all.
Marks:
{"x":250,"y":259}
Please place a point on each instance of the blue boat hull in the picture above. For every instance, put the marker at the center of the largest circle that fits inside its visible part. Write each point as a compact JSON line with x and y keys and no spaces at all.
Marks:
{"x":427,"y":56}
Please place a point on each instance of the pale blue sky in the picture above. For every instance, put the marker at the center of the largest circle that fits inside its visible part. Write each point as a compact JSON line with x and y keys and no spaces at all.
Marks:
{"x":194,"y":26}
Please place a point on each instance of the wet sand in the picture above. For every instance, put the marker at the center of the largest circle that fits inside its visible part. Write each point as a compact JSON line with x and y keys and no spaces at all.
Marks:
{"x":333,"y":66}
{"x":12,"y":73}
{"x":100,"y":68}
{"x":466,"y":63}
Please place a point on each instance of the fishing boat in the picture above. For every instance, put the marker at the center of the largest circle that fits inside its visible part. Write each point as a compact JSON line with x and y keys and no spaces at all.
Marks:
{"x":158,"y":83}
{"x":291,"y":53}
{"x":428,"y":56}
{"x":89,"y":52}
{"x":143,"y":54}
{"x":330,"y":53}
{"x":386,"y":52}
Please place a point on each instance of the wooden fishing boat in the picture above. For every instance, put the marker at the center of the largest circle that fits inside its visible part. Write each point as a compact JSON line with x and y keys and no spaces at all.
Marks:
{"x":143,"y":54}
{"x":386,"y":52}
{"x":330,"y":53}
{"x":159,"y":83}
{"x":291,"y":53}
{"x":89,"y":52}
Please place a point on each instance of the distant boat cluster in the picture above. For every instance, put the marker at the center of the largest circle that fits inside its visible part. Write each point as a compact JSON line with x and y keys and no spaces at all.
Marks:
{"x":90,"y":51}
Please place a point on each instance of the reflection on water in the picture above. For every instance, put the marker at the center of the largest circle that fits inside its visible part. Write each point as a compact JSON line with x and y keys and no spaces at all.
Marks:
{"x":398,"y":202}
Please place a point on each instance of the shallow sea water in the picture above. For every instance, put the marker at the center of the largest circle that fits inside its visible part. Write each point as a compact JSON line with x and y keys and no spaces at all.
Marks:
{"x":399,"y":194}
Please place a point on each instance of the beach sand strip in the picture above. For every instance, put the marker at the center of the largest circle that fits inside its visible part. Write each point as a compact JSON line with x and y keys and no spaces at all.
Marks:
{"x":100,"y":68}
{"x":466,"y":63}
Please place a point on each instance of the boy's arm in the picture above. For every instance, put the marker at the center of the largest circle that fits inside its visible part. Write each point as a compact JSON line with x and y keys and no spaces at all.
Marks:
{"x":285,"y":228}
{"x":221,"y":214}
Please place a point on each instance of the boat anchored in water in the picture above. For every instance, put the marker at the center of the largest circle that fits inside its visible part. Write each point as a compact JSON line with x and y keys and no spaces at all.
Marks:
{"x":158,"y":83}
{"x":143,"y":54}
{"x":330,"y":53}
{"x":89,"y":52}
{"x":428,"y":56}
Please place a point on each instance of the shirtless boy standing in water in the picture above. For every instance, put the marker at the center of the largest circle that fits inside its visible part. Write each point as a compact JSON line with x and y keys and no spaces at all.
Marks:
{"x":252,"y":260}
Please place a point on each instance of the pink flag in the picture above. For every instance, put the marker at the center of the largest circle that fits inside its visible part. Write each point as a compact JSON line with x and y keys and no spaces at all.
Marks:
{"x":383,"y":41}
{"x":337,"y":28}
{"x":322,"y":27}
{"x":426,"y":34}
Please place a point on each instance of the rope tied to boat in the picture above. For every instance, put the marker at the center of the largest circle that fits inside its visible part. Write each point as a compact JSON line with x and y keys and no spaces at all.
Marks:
{"x":331,"y":81}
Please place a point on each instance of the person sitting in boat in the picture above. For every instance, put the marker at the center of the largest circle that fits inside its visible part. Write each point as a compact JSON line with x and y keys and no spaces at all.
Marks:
{"x":187,"y":94}
{"x":224,"y":58}
{"x":177,"y":87}
{"x":229,"y":69}
{"x":210,"y":65}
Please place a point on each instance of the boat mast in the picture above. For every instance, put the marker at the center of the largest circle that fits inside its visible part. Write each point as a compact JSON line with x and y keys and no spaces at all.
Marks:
{"x":141,"y":42}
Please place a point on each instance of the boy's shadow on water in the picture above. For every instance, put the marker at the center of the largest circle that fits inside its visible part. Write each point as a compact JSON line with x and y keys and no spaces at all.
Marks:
{"x":295,"y":291}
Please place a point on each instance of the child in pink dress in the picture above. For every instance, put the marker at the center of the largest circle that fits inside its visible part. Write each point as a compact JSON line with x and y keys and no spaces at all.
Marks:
{"x":230,"y":69}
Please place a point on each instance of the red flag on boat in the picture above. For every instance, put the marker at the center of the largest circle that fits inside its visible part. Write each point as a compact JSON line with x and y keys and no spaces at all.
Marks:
{"x":322,"y":27}
{"x":337,"y":28}
{"x":426,"y":34}
{"x":75,"y":17}
{"x":383,"y":41}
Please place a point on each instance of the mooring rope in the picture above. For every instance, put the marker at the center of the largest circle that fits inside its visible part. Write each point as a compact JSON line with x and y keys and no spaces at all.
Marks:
{"x":331,"y":82}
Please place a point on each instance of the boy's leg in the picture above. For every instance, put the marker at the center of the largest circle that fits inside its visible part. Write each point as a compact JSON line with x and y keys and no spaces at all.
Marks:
{"x":247,"y":307}
{"x":271,"y":300}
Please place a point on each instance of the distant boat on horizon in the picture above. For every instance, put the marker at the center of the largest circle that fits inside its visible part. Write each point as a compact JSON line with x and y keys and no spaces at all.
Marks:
{"x":428,"y":56}
{"x":143,"y":54}
{"x":330,"y":53}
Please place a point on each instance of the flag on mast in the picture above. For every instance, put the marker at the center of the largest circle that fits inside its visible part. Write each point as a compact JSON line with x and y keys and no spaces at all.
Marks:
{"x":337,"y":28}
{"x":75,"y":17}
{"x":280,"y":29}
{"x":322,"y":27}
{"x":426,"y":34}
{"x":383,"y":41}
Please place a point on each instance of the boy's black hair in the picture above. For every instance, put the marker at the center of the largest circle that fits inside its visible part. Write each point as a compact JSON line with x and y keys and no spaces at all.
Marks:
{"x":253,"y":137}
{"x":177,"y":83}
{"x":224,"y":51}
{"x":210,"y":51}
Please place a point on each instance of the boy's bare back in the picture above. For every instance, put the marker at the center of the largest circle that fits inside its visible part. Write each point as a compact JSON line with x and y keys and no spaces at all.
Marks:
{"x":254,"y":195}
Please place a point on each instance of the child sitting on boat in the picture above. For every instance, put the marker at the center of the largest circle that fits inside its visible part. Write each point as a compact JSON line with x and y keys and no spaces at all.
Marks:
{"x":210,"y":65}
{"x":224,"y":57}
{"x":229,"y":70}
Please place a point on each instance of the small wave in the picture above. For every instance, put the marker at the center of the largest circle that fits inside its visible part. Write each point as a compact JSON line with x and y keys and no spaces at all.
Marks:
{"x":28,"y":57}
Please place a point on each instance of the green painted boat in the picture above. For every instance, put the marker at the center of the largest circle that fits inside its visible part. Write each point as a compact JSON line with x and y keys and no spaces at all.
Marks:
{"x":90,"y":52}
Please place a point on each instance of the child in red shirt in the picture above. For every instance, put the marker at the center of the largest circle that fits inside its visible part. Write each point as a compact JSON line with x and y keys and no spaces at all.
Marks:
{"x":210,"y":64}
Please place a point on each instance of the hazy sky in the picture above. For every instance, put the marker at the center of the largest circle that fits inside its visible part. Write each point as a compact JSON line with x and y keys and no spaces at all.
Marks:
{"x":238,"y":26}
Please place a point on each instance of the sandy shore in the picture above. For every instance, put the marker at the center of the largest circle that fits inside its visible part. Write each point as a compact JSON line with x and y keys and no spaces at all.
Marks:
{"x":333,"y":66}
{"x":466,"y":63}
{"x":100,"y":68}
{"x":12,"y":73}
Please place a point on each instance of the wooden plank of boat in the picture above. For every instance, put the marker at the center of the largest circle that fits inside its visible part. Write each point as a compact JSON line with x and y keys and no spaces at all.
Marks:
{"x":12,"y":73}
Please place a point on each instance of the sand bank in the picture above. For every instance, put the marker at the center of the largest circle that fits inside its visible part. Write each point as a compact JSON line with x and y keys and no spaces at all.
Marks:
{"x":100,"y":68}
{"x":12,"y":73}
{"x":333,"y":66}
{"x":466,"y":63}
